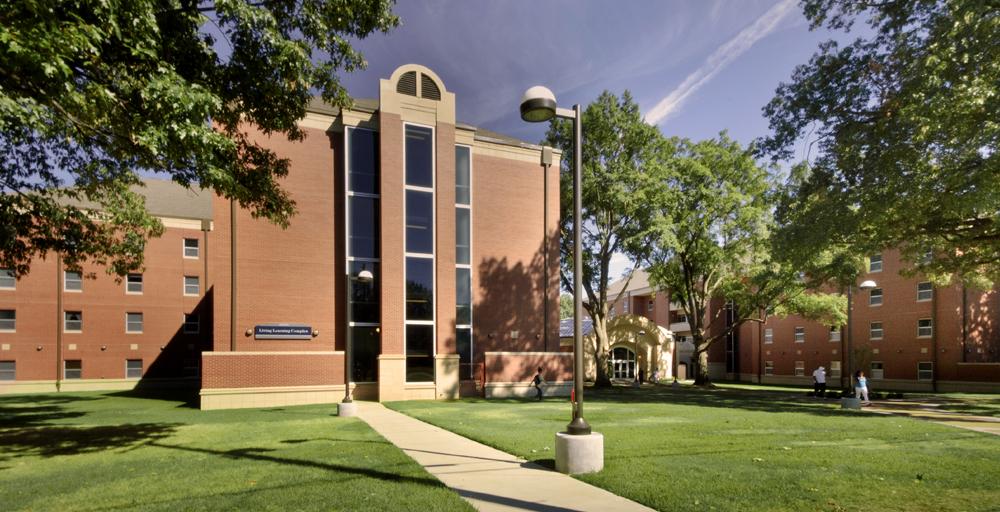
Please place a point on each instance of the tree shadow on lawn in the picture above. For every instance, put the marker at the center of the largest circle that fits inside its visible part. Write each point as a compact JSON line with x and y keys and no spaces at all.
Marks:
{"x":54,"y":441}
{"x":260,"y":454}
{"x":188,"y":398}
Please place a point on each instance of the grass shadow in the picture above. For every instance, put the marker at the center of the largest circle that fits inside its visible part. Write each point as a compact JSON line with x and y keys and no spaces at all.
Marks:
{"x":54,"y":441}
{"x":188,"y":397}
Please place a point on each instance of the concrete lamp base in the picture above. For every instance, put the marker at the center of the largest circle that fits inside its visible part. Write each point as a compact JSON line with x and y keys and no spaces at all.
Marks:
{"x":850,"y":403}
{"x":579,"y":454}
{"x":346,"y":409}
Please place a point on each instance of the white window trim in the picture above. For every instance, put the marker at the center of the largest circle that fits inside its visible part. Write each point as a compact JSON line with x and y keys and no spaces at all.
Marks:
{"x":15,"y":322}
{"x":795,"y":334}
{"x":184,"y":248}
{"x":142,"y":324}
{"x":871,"y":370}
{"x":931,"y":327}
{"x":472,"y":312}
{"x":64,"y":283}
{"x":931,"y":370}
{"x":186,"y":294}
{"x":930,"y":292}
{"x":871,"y":297}
{"x":881,"y":329}
{"x":142,"y":367}
{"x":142,"y":285}
{"x":72,"y":331}
{"x":881,"y":264}
{"x":768,"y":335}
{"x":65,"y":369}
{"x":768,"y":368}
{"x":797,"y":368}
{"x":434,"y":227}
{"x":12,"y":278}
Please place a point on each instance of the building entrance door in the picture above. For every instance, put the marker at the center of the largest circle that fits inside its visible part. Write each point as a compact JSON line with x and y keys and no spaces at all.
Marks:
{"x":623,"y":363}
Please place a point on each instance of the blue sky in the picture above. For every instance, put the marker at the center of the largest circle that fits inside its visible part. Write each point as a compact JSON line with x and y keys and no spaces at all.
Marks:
{"x":695,"y":67}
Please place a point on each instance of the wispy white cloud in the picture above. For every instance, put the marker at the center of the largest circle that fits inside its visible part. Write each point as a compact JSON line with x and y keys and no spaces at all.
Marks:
{"x":719,"y":59}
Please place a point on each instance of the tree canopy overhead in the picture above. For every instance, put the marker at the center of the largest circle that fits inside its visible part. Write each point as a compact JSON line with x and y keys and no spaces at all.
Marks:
{"x":905,"y":125}
{"x":92,"y":92}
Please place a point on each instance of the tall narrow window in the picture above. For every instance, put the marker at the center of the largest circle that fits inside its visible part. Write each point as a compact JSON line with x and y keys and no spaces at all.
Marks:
{"x":800,"y":335}
{"x":834,"y":370}
{"x":363,"y":252}
{"x":463,"y":259}
{"x":769,"y":335}
{"x":419,"y":253}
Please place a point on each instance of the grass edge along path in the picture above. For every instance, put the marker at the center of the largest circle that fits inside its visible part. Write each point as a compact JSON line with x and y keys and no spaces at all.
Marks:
{"x":102,"y":451}
{"x":733,"y":449}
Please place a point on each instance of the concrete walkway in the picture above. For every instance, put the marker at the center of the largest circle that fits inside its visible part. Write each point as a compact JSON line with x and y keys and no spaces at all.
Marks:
{"x":488,"y":478}
{"x":931,"y":412}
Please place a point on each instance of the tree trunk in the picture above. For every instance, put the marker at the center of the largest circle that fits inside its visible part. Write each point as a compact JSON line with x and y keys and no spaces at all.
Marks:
{"x":603,"y":380}
{"x":701,"y":368}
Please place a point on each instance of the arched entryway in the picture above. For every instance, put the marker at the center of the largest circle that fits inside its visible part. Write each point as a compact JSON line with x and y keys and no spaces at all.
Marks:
{"x":622,"y":363}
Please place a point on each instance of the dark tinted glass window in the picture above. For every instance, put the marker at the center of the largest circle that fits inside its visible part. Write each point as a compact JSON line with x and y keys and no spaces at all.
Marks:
{"x":419,"y":222}
{"x":464,"y":345}
{"x":364,"y":354}
{"x":419,"y":156}
{"x":364,"y":296}
{"x":362,"y":163}
{"x":462,"y":236}
{"x":363,"y":235}
{"x":419,"y":353}
{"x":463,"y":181}
{"x":463,"y":296}
{"x":419,"y":289}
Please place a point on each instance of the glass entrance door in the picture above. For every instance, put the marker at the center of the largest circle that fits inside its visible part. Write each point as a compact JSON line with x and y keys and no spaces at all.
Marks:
{"x":623,"y":363}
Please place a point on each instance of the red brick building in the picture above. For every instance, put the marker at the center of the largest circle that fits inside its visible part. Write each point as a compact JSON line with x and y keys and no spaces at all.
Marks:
{"x":905,"y":334}
{"x":456,"y":224}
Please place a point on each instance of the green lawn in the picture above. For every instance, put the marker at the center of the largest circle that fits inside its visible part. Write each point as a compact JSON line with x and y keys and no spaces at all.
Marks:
{"x":738,"y":449}
{"x":93,"y":451}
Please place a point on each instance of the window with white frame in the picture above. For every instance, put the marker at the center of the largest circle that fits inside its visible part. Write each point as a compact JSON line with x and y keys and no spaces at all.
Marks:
{"x":191,"y":285}
{"x":419,"y":253}
{"x":625,"y":304}
{"x":769,"y":335}
{"x":133,"y":283}
{"x":925,"y":370}
{"x":925,"y":291}
{"x":768,"y":367}
{"x":800,"y":368}
{"x":875,"y":331}
{"x":875,"y":297}
{"x":133,"y":323}
{"x":875,"y":263}
{"x":133,"y":368}
{"x":834,"y":333}
{"x":192,"y":324}
{"x":7,"y":280}
{"x":800,"y":335}
{"x":878,"y":370}
{"x":362,"y":228}
{"x":649,"y":305}
{"x":72,"y":321}
{"x":72,"y":369}
{"x":191,"y":248}
{"x":834,"y":369}
{"x":463,"y":260}
{"x":8,"y":370}
{"x":8,"y":320}
{"x":72,"y":281}
{"x":924,"y":328}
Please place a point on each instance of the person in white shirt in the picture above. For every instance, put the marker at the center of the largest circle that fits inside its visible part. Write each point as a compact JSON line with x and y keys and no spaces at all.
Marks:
{"x":819,"y":381}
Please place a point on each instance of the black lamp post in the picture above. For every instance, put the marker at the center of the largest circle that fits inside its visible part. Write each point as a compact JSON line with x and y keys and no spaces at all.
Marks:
{"x":865,"y":285}
{"x":539,"y":105}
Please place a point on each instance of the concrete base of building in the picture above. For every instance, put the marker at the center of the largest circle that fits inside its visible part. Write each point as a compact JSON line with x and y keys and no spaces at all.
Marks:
{"x":245,"y":398}
{"x":347,"y":409}
{"x":579,"y":454}
{"x":526,"y":390}
{"x":49,"y":386}
{"x":850,"y":403}
{"x":446,"y":377}
{"x":392,"y":378}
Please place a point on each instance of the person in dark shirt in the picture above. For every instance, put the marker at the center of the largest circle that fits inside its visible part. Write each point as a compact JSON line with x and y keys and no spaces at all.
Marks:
{"x":537,"y":381}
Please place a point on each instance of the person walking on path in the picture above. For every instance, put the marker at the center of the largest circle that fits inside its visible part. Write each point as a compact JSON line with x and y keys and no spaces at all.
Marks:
{"x":819,"y":382}
{"x":861,"y":387}
{"x":537,"y":381}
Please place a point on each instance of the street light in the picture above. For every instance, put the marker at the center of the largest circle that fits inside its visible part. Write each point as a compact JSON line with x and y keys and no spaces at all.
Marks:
{"x":539,"y":105}
{"x":347,"y":407}
{"x":578,"y":450}
{"x":865,"y":285}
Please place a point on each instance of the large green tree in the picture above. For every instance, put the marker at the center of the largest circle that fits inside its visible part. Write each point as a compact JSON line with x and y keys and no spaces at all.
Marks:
{"x":902,"y":127}
{"x":622,"y":162}
{"x":92,"y":92}
{"x":712,"y":248}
